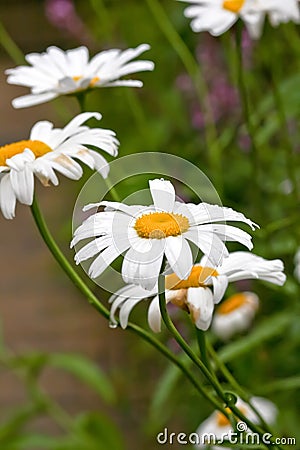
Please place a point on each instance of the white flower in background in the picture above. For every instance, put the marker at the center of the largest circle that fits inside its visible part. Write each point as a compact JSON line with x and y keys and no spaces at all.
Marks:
{"x":48,"y":150}
{"x":235,"y":314}
{"x":57,"y":72}
{"x":217,"y":16}
{"x":147,"y":234}
{"x":281,"y":12}
{"x":297,"y":265}
{"x":195,"y":296}
{"x":218,"y":425}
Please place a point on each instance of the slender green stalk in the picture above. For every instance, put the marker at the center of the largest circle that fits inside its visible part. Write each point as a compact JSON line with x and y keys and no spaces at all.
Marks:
{"x":193,"y":69}
{"x":113,"y":192}
{"x":10,"y":46}
{"x":235,"y":385}
{"x":211,"y":379}
{"x":288,"y":145}
{"x":62,"y":261}
{"x":202,"y":347}
{"x":248,"y":121}
{"x":93,"y":300}
{"x":81,"y":98}
{"x":179,"y":339}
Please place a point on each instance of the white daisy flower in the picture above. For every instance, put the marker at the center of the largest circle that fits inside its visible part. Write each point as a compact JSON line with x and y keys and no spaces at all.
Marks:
{"x":48,"y":150}
{"x":194,"y":294}
{"x":57,"y":72}
{"x":217,"y":425}
{"x":297,"y":265}
{"x":147,"y":234}
{"x":235,"y":314}
{"x":217,"y":16}
{"x":281,"y":12}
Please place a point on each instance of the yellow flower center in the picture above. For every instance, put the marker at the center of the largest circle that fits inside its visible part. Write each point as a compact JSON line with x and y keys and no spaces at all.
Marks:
{"x":222,"y":420}
{"x":233,"y":5}
{"x":196,"y":278}
{"x":92,"y":82}
{"x":160,"y":225}
{"x":37,"y":147}
{"x":232,"y":303}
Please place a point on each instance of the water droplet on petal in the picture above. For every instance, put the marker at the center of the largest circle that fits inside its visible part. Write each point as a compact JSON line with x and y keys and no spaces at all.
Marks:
{"x":113,"y":325}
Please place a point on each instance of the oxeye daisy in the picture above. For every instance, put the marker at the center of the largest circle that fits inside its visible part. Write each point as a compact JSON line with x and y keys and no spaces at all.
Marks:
{"x":56,"y":72}
{"x":147,"y":234}
{"x":218,"y":425}
{"x":217,"y":16}
{"x":235,"y":314}
{"x":48,"y":150}
{"x":194,"y":294}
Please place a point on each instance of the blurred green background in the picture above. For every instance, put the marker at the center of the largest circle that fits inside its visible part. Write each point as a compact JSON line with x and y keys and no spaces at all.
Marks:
{"x":55,"y":347}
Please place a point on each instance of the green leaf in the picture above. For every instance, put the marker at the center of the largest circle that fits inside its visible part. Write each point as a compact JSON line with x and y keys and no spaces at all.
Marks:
{"x":285,"y":384}
{"x":100,"y":431}
{"x":162,"y":393}
{"x":86,"y":371}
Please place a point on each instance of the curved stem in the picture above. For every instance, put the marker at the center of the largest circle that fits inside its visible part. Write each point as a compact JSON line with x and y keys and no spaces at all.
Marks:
{"x":235,"y":385}
{"x":62,"y":261}
{"x":10,"y":46}
{"x":212,"y":380}
{"x":94,"y":301}
{"x":202,"y":347}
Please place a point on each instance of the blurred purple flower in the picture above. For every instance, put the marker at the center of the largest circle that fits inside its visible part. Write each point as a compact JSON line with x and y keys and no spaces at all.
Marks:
{"x":62,"y":14}
{"x":223,"y":97}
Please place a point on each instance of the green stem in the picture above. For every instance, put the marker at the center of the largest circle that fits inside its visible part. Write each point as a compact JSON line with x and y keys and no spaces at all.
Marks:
{"x":202,"y":347}
{"x":248,"y":121}
{"x":81,"y":98}
{"x":211,"y":379}
{"x":194,"y":71}
{"x":10,"y":46}
{"x":113,"y":192}
{"x":289,"y":150}
{"x":235,"y":385}
{"x":62,"y":261}
{"x":93,"y":300}
{"x":179,"y":339}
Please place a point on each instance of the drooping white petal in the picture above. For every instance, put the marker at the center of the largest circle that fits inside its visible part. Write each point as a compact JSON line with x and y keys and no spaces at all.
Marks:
{"x":23,"y":184}
{"x":7,"y":197}
{"x":92,"y":248}
{"x":154,"y":316}
{"x":220,"y":284}
{"x":209,"y":243}
{"x":104,"y":260}
{"x":142,"y":266}
{"x":32,"y":100}
{"x":179,"y":256}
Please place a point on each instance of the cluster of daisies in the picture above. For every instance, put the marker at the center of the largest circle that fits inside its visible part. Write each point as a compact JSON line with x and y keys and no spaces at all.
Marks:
{"x":158,"y":240}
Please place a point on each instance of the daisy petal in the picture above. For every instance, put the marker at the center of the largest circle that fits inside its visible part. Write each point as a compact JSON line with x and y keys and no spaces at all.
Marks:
{"x":163,"y":194}
{"x":201,"y":306}
{"x":179,"y":256}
